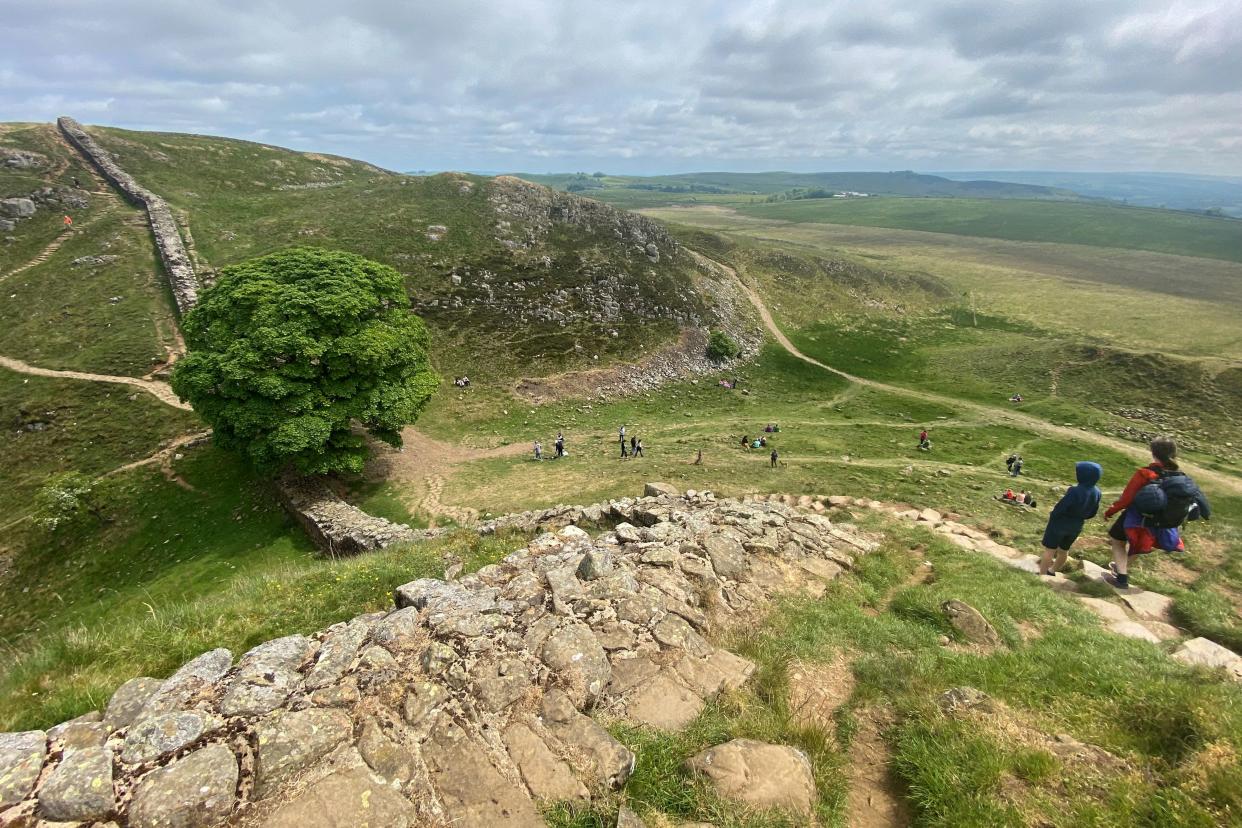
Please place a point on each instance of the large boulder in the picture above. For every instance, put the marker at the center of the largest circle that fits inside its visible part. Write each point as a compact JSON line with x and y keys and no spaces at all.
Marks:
{"x":197,"y":791}
{"x":759,"y":774}
{"x":726,"y":554}
{"x":17,"y":207}
{"x":660,"y":490}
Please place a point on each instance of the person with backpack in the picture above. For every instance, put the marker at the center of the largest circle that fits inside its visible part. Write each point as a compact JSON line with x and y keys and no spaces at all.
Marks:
{"x":923,"y":439}
{"x":1155,"y":503}
{"x":1080,"y":503}
{"x":1016,"y":469}
{"x":1009,"y":461}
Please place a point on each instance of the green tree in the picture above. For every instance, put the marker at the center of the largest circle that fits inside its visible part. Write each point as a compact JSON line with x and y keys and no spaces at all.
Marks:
{"x":293,"y":354}
{"x":66,"y":497}
{"x":721,"y":346}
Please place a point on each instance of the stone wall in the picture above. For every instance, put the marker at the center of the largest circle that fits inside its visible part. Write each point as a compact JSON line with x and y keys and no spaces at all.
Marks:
{"x":167,"y":239}
{"x":468,"y":704}
{"x":336,"y":527}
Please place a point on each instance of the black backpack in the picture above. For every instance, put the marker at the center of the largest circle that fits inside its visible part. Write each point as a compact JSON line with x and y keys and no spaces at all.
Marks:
{"x":1168,"y":501}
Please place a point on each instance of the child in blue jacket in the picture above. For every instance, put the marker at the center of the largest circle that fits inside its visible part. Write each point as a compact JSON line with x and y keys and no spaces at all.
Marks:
{"x":1079,"y":505}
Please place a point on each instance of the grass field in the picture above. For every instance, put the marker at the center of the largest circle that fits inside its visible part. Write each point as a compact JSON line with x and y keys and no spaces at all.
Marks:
{"x":1096,"y":225}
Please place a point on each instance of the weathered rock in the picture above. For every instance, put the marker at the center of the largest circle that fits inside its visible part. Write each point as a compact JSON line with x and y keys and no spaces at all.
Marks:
{"x":970,"y":623}
{"x":629,"y":673}
{"x":576,"y":656}
{"x":289,"y":652}
{"x":1204,"y":653}
{"x":80,"y":788}
{"x":343,"y":694}
{"x":289,"y":742}
{"x":660,"y":490}
{"x":1148,"y":605}
{"x":930,"y":516}
{"x":17,"y":207}
{"x":596,"y":563}
{"x":547,"y":777}
{"x":337,"y":654}
{"x":78,"y":734}
{"x":423,"y":698}
{"x":609,"y":762}
{"x":626,"y":818}
{"x":759,"y":774}
{"x":165,"y":734}
{"x":182,"y":687}
{"x":663,"y":704}
{"x":1105,"y":610}
{"x":129,"y":700}
{"x":641,"y":608}
{"x":21,"y":759}
{"x":627,"y":533}
{"x":1133,"y":629}
{"x":197,"y":791}
{"x":346,"y":799}
{"x":399,"y":631}
{"x":675,"y":632}
{"x":471,"y":790}
{"x":727,"y":555}
{"x":383,"y":755}
{"x":256,"y":693}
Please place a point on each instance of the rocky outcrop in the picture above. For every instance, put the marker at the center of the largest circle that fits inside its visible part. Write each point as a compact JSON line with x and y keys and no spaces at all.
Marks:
{"x":172,"y":251}
{"x":468,"y":704}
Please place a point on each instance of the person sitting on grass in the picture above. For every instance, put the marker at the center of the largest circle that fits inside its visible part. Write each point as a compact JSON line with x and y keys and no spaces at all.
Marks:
{"x":1008,"y":495}
{"x":745,"y":441}
{"x":1080,"y":503}
{"x":1155,"y":503}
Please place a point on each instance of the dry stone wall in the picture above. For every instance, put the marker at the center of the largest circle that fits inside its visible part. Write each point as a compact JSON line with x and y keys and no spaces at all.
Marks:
{"x":470,"y":703}
{"x":167,"y":239}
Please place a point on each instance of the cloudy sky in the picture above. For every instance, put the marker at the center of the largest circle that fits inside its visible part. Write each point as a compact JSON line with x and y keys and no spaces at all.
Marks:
{"x":649,"y":87}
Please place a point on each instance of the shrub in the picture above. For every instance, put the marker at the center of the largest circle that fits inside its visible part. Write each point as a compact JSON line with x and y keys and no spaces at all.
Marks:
{"x":721,"y":346}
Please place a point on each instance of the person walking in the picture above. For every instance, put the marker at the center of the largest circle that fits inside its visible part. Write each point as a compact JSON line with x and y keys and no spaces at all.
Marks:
{"x":923,"y":438}
{"x":638,"y":449}
{"x":1016,"y":469}
{"x":774,"y":457}
{"x":621,"y":437}
{"x":68,"y":223}
{"x":1009,"y":461}
{"x":698,"y":461}
{"x":1080,"y":503}
{"x":560,"y":444}
{"x":633,"y":446}
{"x":1155,"y":503}
{"x":538,"y":450}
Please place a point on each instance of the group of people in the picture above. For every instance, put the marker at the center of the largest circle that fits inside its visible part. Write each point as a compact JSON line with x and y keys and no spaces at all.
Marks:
{"x":558,"y":447}
{"x":1158,"y":500}
{"x":761,"y":442}
{"x":924,"y":440}
{"x":1023,"y":498}
{"x":1014,"y":463}
{"x":635,"y":444}
{"x":758,"y":442}
{"x":730,"y":384}
{"x":461,"y":382}
{"x":1015,"y":398}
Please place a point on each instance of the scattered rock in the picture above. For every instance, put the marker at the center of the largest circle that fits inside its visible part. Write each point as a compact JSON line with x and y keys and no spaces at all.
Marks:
{"x":1204,"y":653}
{"x":337,"y":653}
{"x":759,"y":774}
{"x":663,"y":704}
{"x":965,"y":698}
{"x":727,"y":555}
{"x":1148,"y":605}
{"x":1133,"y":629}
{"x":970,"y":623}
{"x":626,"y":818}
{"x":1105,"y":610}
{"x":610,"y":762}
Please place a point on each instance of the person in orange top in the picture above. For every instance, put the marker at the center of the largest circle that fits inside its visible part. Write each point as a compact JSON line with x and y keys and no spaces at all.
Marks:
{"x":68,"y":222}
{"x":1134,"y":533}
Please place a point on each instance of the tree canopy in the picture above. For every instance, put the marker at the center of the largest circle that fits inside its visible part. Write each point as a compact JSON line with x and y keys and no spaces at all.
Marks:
{"x":291,"y":354}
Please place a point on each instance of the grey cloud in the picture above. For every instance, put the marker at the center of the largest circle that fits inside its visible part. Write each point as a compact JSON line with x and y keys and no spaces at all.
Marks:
{"x":653,"y":86}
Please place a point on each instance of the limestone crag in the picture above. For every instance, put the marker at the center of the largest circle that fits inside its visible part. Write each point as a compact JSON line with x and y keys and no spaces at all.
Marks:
{"x":466,"y":705}
{"x":172,"y":251}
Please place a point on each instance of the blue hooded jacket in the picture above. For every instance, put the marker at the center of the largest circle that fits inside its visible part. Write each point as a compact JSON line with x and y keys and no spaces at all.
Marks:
{"x":1080,"y":502}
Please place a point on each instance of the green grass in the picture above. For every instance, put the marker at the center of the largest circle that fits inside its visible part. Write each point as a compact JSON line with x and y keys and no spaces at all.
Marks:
{"x":89,"y":427}
{"x":1097,"y":225}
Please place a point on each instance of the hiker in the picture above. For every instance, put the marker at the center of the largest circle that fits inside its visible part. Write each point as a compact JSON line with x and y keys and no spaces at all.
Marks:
{"x":1016,"y":398}
{"x":774,"y":457}
{"x":756,"y":444}
{"x":68,"y":223}
{"x":560,"y":444}
{"x":1155,"y":503}
{"x":76,"y":183}
{"x":923,"y":438}
{"x":538,"y":450}
{"x":1016,"y":469}
{"x":633,"y":446}
{"x":621,"y":437}
{"x":1009,"y":461}
{"x":638,"y":449}
{"x":1079,"y":504}
{"x":698,"y":461}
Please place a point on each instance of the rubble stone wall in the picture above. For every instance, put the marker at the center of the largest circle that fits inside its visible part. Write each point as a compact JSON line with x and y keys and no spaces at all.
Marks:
{"x":467,"y":704}
{"x":172,"y":251}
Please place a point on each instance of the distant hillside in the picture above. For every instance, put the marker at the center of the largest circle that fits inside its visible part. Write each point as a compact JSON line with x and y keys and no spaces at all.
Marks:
{"x":1144,"y":189}
{"x":725,"y":186}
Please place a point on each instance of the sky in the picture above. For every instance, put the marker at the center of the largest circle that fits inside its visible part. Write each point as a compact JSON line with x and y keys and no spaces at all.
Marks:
{"x":646,"y":87}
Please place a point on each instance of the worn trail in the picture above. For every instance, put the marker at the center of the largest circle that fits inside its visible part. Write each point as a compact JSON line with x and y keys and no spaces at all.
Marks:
{"x":160,"y":390}
{"x":996,"y":415}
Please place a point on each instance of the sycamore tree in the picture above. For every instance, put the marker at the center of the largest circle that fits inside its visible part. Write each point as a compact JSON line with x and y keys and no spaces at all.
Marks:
{"x":292,"y":356}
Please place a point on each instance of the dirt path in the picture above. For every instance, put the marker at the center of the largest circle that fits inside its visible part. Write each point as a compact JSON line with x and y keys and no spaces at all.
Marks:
{"x":995,"y":415}
{"x":164,"y":458}
{"x":421,"y":467}
{"x":160,"y":390}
